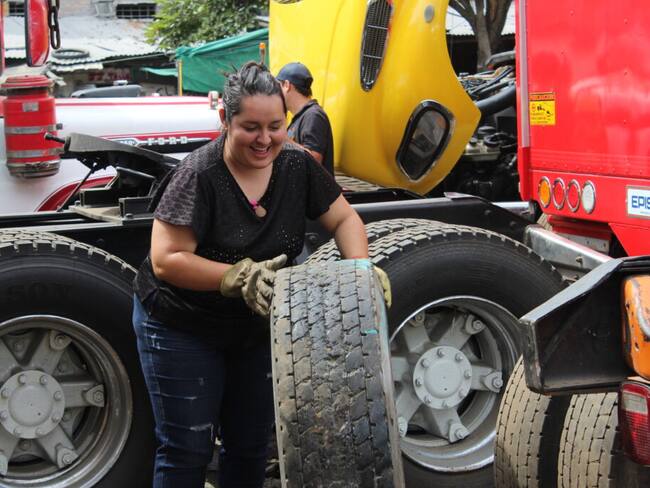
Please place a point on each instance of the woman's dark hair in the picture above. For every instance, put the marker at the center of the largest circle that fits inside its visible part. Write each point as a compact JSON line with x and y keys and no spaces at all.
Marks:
{"x":251,"y":79}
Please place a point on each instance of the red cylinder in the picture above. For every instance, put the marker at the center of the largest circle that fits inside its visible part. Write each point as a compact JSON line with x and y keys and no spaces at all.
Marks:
{"x":29,"y":114}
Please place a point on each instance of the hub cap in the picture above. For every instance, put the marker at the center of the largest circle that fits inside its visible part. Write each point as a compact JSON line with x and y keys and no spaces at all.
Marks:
{"x":31,"y":404}
{"x":448,"y":361}
{"x":57,"y":431}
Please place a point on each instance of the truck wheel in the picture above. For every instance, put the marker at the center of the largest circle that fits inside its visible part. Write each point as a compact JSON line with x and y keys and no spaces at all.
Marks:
{"x":457,"y":293}
{"x":590,"y":449}
{"x":335,"y":416}
{"x":73,"y":404}
{"x":529,"y":427}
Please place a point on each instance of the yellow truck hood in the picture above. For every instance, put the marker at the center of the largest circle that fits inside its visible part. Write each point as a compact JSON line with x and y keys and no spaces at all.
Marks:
{"x":368,"y":126}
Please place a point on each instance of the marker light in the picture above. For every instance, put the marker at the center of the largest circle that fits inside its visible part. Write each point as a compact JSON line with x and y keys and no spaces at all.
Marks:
{"x":559,"y":193}
{"x":544,"y":192}
{"x":588,"y":197}
{"x":634,"y":422}
{"x":573,"y":195}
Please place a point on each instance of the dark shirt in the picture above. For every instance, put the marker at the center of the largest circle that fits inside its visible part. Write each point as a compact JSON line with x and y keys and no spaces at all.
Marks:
{"x":311,"y":128}
{"x":203,"y":194}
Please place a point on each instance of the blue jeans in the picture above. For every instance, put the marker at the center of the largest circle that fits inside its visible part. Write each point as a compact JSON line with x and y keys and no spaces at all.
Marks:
{"x":196,"y":389}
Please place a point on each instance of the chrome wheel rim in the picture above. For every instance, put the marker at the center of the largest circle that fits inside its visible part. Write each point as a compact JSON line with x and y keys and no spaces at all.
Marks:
{"x":65,"y":403}
{"x":449,"y":363}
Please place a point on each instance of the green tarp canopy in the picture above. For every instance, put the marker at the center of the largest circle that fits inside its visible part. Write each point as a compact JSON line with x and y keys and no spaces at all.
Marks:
{"x":204,"y":66}
{"x":161,"y":71}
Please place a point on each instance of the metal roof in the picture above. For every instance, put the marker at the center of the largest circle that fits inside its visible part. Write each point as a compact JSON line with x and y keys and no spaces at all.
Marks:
{"x":87,"y":40}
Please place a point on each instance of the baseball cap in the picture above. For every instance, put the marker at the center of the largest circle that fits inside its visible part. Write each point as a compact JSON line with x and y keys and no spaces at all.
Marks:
{"x":296,"y":73}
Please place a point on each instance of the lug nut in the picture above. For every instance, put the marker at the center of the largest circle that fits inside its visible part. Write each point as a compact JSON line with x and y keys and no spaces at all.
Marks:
{"x":98,"y":396}
{"x":497,"y":382}
{"x":18,"y":431}
{"x":460,"y":433}
{"x":58,"y":395}
{"x":440,"y":353}
{"x":4,"y":415}
{"x":459,"y":357}
{"x":467,"y":374}
{"x":418,"y":381}
{"x":425,"y":363}
{"x":22,"y":379}
{"x":66,"y":459}
{"x":428,"y":400}
{"x":43,"y":380}
{"x":5,"y":393}
{"x":39,"y":432}
{"x":56,"y":418}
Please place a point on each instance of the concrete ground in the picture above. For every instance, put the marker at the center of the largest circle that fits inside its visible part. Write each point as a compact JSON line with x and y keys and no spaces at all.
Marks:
{"x":211,"y":481}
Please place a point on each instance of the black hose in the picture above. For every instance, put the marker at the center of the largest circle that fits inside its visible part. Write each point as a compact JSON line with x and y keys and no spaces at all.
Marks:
{"x":500,"y":101}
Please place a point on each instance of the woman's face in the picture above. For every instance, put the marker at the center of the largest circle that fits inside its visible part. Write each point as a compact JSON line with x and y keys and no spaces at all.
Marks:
{"x":256,"y":134}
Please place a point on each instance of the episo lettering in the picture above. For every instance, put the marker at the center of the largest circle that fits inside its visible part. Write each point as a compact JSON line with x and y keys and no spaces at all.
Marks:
{"x":638,"y":202}
{"x":541,"y":107}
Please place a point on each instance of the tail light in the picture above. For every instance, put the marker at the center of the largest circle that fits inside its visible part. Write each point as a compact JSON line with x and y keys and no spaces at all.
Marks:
{"x":573,"y":195}
{"x":559,"y":193}
{"x":634,"y":420}
{"x":588,"y":197}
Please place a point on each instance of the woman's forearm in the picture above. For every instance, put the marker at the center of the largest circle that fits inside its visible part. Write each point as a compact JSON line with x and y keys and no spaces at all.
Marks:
{"x":187,"y":270}
{"x":350,"y":237}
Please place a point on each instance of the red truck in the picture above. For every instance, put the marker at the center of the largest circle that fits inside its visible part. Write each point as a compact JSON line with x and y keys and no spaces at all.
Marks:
{"x":463,"y":268}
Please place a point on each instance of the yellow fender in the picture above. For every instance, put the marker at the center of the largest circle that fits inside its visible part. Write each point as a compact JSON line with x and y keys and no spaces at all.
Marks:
{"x":369,"y":124}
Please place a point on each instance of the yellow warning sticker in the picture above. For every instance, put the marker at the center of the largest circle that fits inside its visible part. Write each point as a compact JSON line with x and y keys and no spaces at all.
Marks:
{"x":542,"y":108}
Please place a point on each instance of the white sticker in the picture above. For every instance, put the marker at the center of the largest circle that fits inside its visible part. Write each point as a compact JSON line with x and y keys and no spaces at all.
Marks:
{"x":638,"y":202}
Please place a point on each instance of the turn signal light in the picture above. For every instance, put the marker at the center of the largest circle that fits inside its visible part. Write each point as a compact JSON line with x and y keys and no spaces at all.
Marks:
{"x":559,"y":193}
{"x":634,"y":420}
{"x":544,"y":192}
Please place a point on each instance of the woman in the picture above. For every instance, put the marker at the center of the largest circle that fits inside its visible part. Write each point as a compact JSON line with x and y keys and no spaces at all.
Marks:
{"x":232,"y":214}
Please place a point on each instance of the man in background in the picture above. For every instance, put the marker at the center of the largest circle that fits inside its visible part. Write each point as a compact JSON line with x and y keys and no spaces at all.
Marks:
{"x":310,"y":127}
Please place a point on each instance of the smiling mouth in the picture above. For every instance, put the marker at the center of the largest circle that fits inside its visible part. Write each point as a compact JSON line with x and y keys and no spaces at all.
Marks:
{"x":260,"y":151}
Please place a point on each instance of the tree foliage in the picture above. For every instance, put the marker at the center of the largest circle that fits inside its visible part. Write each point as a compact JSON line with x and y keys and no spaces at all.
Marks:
{"x":187,"y":22}
{"x":487,"y":18}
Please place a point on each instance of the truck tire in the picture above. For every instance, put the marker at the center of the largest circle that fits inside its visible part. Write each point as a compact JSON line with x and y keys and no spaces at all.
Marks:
{"x":374,"y":231}
{"x":529,"y":427}
{"x":457,"y":293}
{"x":68,"y":355}
{"x":335,"y":417}
{"x":590,"y":448}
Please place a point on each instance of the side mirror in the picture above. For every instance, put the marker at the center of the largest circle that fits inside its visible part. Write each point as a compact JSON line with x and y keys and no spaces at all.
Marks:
{"x":37,"y":32}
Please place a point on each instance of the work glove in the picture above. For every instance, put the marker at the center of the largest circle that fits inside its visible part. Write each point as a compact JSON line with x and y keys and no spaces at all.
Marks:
{"x":385,"y":284}
{"x":253,"y":282}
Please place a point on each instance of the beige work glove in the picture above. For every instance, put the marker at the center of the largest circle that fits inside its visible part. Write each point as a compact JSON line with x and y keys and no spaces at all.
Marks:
{"x":253,"y":282}
{"x":385,"y":284}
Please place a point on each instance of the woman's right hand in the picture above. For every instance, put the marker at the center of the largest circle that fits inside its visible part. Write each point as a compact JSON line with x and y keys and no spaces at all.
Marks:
{"x":253,"y":282}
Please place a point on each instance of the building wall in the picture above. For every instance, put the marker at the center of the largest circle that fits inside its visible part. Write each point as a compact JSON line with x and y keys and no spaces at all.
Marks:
{"x":76,"y":7}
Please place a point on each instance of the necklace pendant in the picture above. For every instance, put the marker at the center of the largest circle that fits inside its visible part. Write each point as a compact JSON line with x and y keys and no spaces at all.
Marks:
{"x":260,"y":211}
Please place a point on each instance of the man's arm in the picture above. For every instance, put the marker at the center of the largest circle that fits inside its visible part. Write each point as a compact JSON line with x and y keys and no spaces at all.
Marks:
{"x":314,"y":135}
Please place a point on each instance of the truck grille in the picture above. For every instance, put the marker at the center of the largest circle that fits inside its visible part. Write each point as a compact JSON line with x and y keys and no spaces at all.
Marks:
{"x":375,"y":36}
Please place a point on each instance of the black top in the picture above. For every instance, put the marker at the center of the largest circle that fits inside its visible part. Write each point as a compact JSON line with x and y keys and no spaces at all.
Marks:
{"x":203,"y":194}
{"x":311,"y":128}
